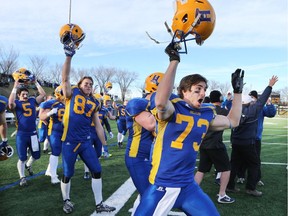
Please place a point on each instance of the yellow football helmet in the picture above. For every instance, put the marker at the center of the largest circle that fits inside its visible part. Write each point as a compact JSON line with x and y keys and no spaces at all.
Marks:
{"x":22,"y":75}
{"x":108,"y":85}
{"x":196,"y":17}
{"x":152,"y":82}
{"x":59,"y":93}
{"x":71,"y":35}
{"x":98,"y":96}
{"x":107,"y":100}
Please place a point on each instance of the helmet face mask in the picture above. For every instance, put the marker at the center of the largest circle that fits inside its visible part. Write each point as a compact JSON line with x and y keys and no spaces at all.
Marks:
{"x":152,"y":82}
{"x":194,"y":18}
{"x":71,"y":35}
{"x":6,"y":152}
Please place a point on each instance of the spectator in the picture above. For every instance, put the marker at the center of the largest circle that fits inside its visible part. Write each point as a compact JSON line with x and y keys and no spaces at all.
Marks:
{"x":243,"y":142}
{"x":213,"y":151}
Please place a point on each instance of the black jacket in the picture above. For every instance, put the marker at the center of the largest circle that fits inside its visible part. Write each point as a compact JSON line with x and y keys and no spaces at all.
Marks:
{"x":245,"y":133}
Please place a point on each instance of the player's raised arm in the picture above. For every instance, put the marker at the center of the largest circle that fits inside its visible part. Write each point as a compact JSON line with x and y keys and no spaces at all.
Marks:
{"x":163,"y":105}
{"x":233,"y":118}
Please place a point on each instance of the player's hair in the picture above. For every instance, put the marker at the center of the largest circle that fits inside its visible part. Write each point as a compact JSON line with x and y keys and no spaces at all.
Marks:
{"x":83,"y":78}
{"x":22,"y":89}
{"x":187,"y":81}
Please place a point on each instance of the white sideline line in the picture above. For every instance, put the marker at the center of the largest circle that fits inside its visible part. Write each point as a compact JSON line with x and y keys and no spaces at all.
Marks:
{"x":270,"y":163}
{"x":119,"y":197}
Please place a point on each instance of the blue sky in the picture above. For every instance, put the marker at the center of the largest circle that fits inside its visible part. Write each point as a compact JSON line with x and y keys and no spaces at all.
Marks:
{"x":251,"y":35}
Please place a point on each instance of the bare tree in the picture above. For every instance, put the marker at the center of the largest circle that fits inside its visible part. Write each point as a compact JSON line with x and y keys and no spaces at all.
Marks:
{"x":224,"y":88}
{"x":8,"y":61}
{"x":102,"y":75}
{"x":284,"y":94}
{"x":124,"y":79}
{"x":55,"y":73}
{"x":38,"y":65}
{"x":213,"y":85}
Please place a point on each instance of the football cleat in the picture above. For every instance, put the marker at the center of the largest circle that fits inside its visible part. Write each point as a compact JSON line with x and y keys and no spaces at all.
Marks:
{"x":86,"y":176}
{"x":55,"y":180}
{"x":23,"y":182}
{"x":29,"y":169}
{"x":104,"y":208}
{"x":68,"y":206}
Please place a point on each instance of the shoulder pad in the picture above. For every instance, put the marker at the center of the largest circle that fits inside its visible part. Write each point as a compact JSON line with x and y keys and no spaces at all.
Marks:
{"x":136,"y":106}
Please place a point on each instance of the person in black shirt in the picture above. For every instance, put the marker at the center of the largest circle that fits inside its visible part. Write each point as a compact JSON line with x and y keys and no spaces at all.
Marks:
{"x":213,"y":151}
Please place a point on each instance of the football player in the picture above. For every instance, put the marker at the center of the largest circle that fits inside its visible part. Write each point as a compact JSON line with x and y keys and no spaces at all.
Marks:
{"x":181,"y":125}
{"x":81,"y":109}
{"x":96,"y":142}
{"x":24,"y":109}
{"x":121,"y":121}
{"x":141,"y":131}
{"x":53,"y":111}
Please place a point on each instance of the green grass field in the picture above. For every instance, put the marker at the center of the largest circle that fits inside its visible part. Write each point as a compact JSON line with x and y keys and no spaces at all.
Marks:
{"x":42,"y":198}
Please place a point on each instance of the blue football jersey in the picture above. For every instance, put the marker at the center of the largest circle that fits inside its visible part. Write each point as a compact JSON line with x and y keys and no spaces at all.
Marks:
{"x":25,"y":112}
{"x":177,"y":143}
{"x":139,"y":139}
{"x":77,"y":119}
{"x":3,"y":103}
{"x":55,"y":121}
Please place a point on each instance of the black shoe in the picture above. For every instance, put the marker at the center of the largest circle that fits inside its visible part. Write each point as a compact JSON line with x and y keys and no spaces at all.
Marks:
{"x":233,"y":190}
{"x":45,"y":151}
{"x":120,"y":144}
{"x":104,"y":208}
{"x":254,"y":193}
{"x":217,"y":181}
{"x":29,"y":169}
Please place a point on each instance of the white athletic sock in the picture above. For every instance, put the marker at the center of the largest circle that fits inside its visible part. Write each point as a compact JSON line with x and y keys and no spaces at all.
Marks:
{"x":46,"y":144}
{"x":53,"y":161}
{"x":65,"y":189}
{"x":122,"y":137}
{"x":119,"y":136}
{"x":30,"y":161}
{"x":218,"y":175}
{"x":48,"y":170}
{"x":21,"y":168}
{"x":86,"y":169}
{"x":97,"y":190}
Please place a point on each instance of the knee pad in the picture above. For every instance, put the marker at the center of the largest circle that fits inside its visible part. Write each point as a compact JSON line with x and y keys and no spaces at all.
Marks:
{"x":65,"y":179}
{"x":96,"y":175}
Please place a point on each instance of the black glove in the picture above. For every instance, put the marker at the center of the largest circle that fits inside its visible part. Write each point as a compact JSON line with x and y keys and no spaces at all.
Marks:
{"x":237,"y":80}
{"x":172,"y":51}
{"x":69,"y":51}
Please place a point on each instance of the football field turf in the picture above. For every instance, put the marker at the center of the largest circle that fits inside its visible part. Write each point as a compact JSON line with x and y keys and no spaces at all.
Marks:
{"x":42,"y":198}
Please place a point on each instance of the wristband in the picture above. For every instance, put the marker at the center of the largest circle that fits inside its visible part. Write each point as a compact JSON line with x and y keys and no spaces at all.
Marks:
{"x":14,"y":90}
